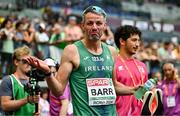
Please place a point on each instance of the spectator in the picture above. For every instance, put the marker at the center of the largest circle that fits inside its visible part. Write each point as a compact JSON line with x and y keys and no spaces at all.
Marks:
{"x":171,"y":90}
{"x":19,"y":35}
{"x":43,"y":103}
{"x":108,"y":36}
{"x":42,"y":39}
{"x":6,"y":36}
{"x":58,"y":105}
{"x":57,"y":42}
{"x":165,"y":52}
{"x":72,"y":31}
{"x":29,"y":35}
{"x":176,"y":52}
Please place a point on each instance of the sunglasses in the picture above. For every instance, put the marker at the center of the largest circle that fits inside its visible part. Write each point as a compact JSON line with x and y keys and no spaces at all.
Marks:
{"x":95,"y":9}
{"x":23,"y":61}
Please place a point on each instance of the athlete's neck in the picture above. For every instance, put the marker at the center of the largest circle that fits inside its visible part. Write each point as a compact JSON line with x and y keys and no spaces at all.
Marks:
{"x":93,"y":46}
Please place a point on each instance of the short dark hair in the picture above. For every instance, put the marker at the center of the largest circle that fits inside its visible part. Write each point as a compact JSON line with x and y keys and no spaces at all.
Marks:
{"x":44,"y":91}
{"x":94,"y":9}
{"x":124,"y":32}
{"x":18,"y":24}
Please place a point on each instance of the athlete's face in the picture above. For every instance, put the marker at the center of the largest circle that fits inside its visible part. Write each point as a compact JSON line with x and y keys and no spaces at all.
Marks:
{"x":132,"y":44}
{"x":93,"y":26}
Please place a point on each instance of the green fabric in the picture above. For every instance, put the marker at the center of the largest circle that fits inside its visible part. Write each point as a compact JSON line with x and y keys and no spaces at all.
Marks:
{"x":55,"y":37}
{"x":8,"y":46}
{"x":102,"y":69}
{"x":19,"y":93}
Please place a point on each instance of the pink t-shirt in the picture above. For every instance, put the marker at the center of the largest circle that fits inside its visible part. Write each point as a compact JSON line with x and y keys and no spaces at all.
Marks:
{"x":130,"y":72}
{"x":55,"y":102}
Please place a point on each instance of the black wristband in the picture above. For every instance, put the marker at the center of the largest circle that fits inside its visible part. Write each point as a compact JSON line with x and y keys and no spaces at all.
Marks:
{"x":48,"y":74}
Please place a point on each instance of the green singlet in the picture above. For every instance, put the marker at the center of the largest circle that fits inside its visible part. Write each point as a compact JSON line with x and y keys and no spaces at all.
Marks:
{"x":91,"y":67}
{"x":19,"y":93}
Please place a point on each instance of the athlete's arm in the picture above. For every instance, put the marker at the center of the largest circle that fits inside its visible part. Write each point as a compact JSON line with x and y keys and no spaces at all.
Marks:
{"x":58,"y":84}
{"x":119,"y":87}
{"x":113,"y":51}
{"x":69,"y":60}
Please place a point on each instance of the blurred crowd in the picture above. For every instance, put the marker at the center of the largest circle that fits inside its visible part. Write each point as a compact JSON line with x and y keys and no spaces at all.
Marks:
{"x":47,"y":36}
{"x":154,"y":54}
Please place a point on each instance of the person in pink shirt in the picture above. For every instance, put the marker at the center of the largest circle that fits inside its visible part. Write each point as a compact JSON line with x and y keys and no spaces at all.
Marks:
{"x":128,"y":70}
{"x":59,"y":106}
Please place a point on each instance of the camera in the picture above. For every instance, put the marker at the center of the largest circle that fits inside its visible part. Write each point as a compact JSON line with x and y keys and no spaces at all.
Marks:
{"x":36,"y":74}
{"x":32,"y":87}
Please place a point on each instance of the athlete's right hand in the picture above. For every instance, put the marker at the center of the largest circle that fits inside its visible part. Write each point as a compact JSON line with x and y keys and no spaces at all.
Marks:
{"x":37,"y":63}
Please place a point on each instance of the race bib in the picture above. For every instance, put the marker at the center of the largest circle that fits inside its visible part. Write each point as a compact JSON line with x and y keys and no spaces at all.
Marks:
{"x":100,"y":91}
{"x":171,"y":101}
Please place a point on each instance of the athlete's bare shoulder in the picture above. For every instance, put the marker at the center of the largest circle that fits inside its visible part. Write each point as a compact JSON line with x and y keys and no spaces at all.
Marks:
{"x":70,"y":48}
{"x":70,"y":54}
{"x":113,"y":51}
